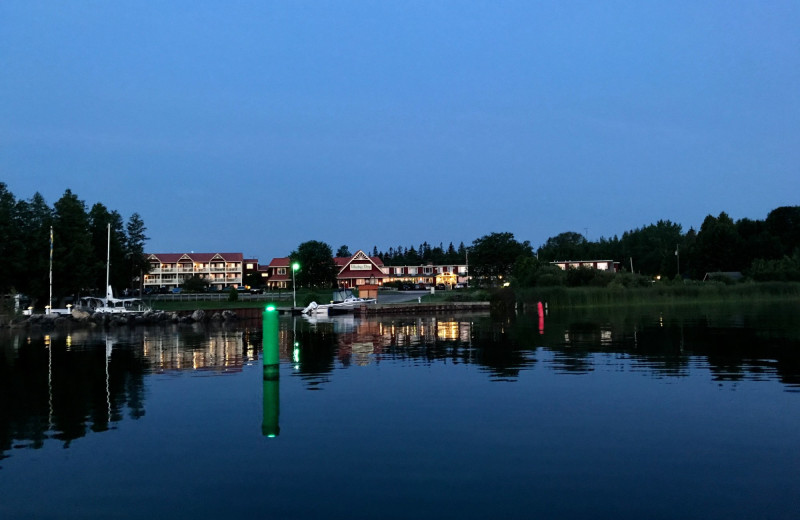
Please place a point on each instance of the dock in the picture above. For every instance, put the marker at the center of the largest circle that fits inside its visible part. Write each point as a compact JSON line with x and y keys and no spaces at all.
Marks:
{"x":420,"y":308}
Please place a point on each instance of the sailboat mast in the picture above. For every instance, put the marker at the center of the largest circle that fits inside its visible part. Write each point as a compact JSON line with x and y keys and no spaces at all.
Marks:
{"x":108,"y":259}
{"x":50,"y":301}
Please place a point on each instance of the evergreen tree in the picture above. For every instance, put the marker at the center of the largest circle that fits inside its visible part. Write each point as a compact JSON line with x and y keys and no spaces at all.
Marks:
{"x":33,"y":221}
{"x":412,"y":257}
{"x":135,"y":260}
{"x":452,"y":255}
{"x":73,"y":252}
{"x":9,"y":240}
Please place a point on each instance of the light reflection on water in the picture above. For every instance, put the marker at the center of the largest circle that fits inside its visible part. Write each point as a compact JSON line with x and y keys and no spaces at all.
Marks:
{"x":585,"y":388}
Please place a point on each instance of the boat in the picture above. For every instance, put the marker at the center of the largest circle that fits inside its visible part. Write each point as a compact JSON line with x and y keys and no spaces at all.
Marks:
{"x":110,"y":304}
{"x":343,"y":301}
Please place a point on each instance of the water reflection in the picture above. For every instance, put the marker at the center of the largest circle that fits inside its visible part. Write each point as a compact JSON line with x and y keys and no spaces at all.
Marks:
{"x":61,"y":386}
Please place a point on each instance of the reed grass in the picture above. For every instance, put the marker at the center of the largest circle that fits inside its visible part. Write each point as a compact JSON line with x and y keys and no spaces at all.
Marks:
{"x":658,"y":294}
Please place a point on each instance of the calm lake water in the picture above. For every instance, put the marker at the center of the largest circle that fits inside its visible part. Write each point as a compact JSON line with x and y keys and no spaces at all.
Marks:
{"x":676,"y":413}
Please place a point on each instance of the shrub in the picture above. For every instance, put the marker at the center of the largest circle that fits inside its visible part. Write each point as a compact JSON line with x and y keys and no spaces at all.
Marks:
{"x":233,"y":295}
{"x":502,"y":300}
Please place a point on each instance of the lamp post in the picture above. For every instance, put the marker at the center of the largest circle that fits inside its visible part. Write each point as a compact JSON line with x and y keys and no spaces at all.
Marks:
{"x":295,"y":267}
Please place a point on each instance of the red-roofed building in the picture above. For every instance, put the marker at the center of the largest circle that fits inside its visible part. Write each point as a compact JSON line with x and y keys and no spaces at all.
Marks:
{"x":352,"y":271}
{"x":359,"y":269}
{"x":170,"y":270}
{"x":279,"y":274}
{"x":254,"y":274}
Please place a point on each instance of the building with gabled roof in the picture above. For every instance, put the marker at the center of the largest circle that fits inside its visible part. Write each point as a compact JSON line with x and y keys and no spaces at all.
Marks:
{"x":351,"y":271}
{"x":359,"y":269}
{"x":279,"y":273}
{"x":169,"y":270}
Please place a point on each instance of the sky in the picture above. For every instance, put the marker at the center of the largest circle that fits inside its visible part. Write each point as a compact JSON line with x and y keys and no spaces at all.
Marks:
{"x":254,"y":126}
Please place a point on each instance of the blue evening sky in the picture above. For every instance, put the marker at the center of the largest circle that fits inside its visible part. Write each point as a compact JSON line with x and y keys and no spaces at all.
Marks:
{"x":254,"y":126}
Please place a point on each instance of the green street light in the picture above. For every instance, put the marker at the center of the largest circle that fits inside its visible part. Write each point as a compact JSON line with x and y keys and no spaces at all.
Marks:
{"x":295,"y":267}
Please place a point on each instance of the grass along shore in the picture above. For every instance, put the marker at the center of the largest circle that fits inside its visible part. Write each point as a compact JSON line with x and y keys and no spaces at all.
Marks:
{"x":556,"y":297}
{"x":658,"y":294}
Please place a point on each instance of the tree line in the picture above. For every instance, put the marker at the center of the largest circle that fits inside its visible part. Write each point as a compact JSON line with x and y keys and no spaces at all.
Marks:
{"x":425,"y":253}
{"x":766,"y":249}
{"x":762,"y":250}
{"x":79,"y":246}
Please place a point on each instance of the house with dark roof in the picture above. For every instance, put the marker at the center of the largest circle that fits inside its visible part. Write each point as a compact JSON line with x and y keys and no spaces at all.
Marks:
{"x":279,"y":273}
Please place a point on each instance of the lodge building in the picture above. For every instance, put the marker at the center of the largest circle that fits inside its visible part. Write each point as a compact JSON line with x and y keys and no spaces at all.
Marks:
{"x":220,"y":270}
{"x":224,"y":270}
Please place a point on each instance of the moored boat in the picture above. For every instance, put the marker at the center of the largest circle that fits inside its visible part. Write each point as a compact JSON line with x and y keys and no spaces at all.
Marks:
{"x":112,"y":305}
{"x":343,"y":301}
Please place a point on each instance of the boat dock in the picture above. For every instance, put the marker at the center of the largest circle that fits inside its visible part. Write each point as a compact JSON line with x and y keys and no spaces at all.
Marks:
{"x":373,"y":309}
{"x":419,"y":308}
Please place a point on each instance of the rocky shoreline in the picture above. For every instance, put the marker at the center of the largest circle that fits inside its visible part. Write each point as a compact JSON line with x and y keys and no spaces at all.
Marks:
{"x":85,"y":319}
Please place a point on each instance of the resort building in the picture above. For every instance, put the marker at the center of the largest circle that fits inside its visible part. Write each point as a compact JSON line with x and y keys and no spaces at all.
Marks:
{"x":170,"y":270}
{"x":428,"y":274}
{"x":602,"y":265}
{"x":224,"y":270}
